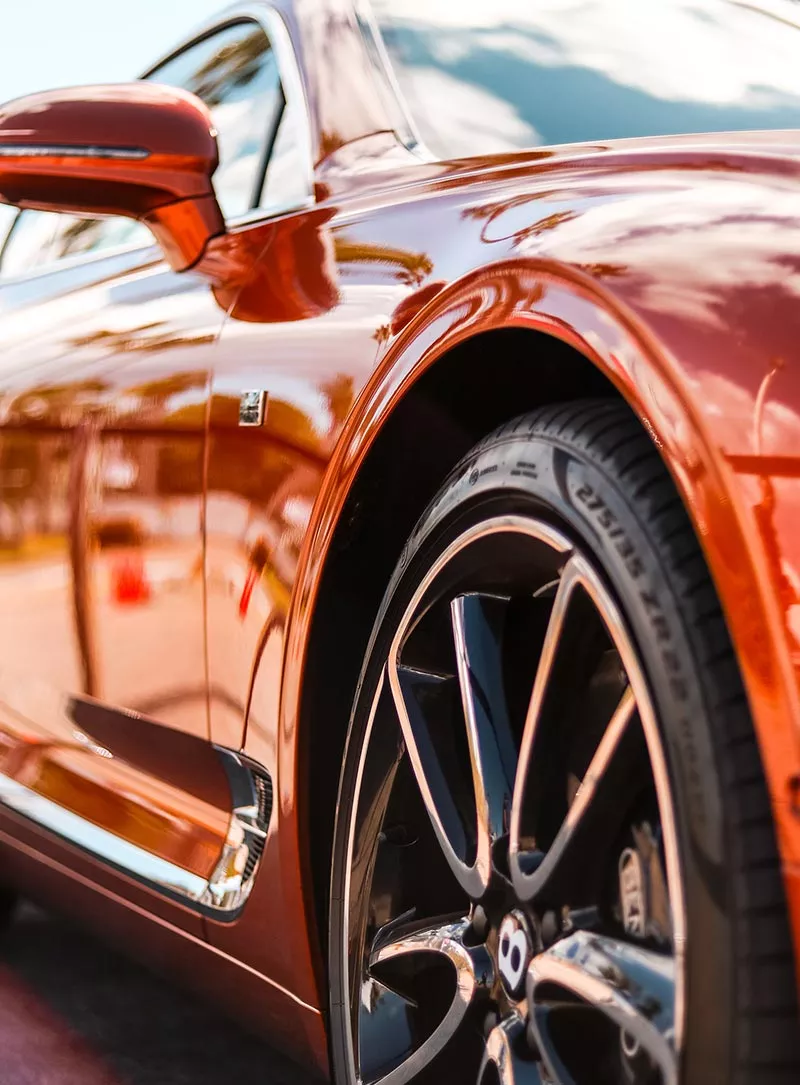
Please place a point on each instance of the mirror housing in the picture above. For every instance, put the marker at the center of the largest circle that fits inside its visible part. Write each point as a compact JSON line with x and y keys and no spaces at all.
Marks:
{"x":140,"y":150}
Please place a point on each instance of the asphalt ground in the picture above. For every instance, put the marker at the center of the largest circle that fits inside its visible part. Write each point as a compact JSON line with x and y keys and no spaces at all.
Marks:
{"x":74,"y":1013}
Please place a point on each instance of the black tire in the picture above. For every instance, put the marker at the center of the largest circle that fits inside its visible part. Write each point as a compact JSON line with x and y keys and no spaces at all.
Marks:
{"x":590,"y":469}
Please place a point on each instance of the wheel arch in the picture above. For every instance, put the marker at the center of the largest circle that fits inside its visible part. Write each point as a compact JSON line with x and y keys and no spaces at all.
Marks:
{"x":558,"y":340}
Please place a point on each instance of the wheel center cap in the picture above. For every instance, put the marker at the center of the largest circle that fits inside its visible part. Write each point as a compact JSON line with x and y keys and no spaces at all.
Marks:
{"x":514,"y":953}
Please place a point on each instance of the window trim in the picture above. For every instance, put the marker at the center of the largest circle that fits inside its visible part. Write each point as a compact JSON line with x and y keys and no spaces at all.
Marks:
{"x":410,"y":136}
{"x":273,"y":25}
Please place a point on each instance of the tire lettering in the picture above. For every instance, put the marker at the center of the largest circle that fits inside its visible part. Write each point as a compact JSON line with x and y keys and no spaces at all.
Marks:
{"x":671,"y":658}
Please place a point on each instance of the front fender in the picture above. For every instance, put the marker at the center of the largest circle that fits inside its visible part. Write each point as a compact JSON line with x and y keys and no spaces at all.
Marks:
{"x":677,"y":274}
{"x":732,"y":491}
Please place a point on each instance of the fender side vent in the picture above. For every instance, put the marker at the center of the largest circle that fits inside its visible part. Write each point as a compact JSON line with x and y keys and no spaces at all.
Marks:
{"x":263,"y":785}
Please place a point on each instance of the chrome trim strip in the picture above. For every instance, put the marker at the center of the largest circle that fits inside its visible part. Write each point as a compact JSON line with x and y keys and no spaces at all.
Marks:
{"x":411,"y":137}
{"x":293,"y":92}
{"x":59,"y":150}
{"x":144,"y":255}
{"x":385,"y":73}
{"x":267,"y":214}
{"x":222,"y":895}
{"x":100,"y":842}
{"x":180,"y":932}
{"x":230,"y":882}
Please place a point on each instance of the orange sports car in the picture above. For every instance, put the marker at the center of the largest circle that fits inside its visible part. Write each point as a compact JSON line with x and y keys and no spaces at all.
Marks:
{"x":400,"y":531}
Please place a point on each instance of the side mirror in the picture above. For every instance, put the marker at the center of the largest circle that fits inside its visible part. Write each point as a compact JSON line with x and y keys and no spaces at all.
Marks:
{"x":135,"y":149}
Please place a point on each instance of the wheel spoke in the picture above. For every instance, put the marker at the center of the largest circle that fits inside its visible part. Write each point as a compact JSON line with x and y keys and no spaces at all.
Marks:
{"x":569,"y":580}
{"x":592,"y":817}
{"x":478,"y":629}
{"x":632,"y":987}
{"x":398,"y":958}
{"x":411,"y":688}
{"x":421,"y":699}
{"x":502,"y":1060}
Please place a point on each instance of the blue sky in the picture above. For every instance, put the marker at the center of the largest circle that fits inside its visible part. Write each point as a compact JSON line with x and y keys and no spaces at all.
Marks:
{"x":55,"y":43}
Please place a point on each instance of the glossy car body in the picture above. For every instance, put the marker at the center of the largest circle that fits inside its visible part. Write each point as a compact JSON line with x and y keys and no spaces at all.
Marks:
{"x":197,"y":589}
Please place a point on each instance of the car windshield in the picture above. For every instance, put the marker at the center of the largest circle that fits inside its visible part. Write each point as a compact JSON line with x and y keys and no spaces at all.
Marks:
{"x":483,"y":76}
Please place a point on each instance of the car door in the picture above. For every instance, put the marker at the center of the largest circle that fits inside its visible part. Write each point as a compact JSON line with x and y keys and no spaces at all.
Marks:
{"x":105,"y":760}
{"x":302,"y":339}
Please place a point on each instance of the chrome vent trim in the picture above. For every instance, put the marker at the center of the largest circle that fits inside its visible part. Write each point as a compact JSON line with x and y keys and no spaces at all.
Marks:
{"x":224,"y":894}
{"x":107,"y":846}
{"x":263,"y":784}
{"x":251,"y":786}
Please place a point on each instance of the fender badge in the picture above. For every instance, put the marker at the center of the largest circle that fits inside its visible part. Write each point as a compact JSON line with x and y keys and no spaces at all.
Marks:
{"x":251,"y":408}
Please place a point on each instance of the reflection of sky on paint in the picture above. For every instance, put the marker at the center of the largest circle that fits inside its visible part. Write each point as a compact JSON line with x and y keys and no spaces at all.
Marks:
{"x":720,"y":248}
{"x":725,"y":231}
{"x":471,"y":115}
{"x":571,"y":70}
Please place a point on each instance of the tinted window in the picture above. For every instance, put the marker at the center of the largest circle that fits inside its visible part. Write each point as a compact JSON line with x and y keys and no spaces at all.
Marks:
{"x":38,"y":238}
{"x":498,"y":75}
{"x":7,"y":216}
{"x":286,"y":183}
{"x":236,"y":74}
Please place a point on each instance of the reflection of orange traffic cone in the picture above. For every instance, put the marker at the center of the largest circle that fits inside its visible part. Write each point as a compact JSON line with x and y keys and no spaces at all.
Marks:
{"x":255,"y":567}
{"x":129,"y":582}
{"x":250,"y":582}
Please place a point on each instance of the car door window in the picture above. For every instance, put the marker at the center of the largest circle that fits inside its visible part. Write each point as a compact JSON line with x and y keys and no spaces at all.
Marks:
{"x":39,"y":238}
{"x":8,"y":215}
{"x":286,"y":181}
{"x":235,"y":72}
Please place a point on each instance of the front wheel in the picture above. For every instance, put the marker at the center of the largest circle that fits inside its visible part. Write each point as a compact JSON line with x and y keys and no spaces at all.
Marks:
{"x":554,"y":859}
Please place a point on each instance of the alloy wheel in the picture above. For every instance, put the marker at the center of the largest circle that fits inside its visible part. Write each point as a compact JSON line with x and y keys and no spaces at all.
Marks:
{"x":513,"y":907}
